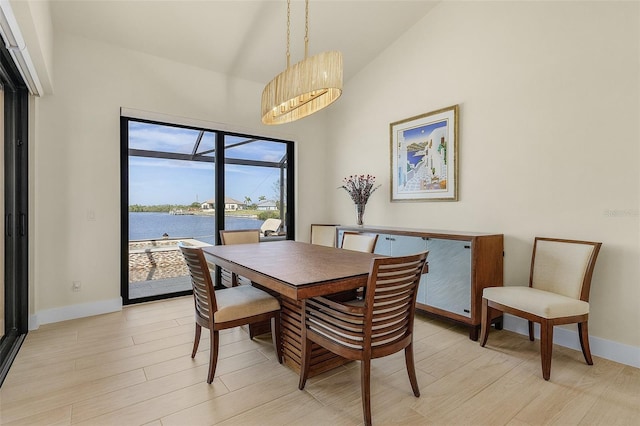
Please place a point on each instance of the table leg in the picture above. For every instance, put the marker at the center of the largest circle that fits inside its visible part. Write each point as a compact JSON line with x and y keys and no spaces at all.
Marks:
{"x":321,"y":359}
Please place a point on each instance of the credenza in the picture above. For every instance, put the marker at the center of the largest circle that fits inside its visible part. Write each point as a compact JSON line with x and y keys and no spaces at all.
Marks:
{"x":460,"y":266}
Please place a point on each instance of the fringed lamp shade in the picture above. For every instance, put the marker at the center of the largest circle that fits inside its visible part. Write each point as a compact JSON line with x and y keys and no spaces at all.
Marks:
{"x":303,"y":88}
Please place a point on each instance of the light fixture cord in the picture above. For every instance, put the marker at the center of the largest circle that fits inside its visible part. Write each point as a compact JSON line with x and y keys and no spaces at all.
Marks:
{"x":288,"y":31}
{"x":306,"y":28}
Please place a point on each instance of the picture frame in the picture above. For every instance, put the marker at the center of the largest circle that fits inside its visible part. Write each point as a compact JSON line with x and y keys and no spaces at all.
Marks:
{"x":424,"y":157}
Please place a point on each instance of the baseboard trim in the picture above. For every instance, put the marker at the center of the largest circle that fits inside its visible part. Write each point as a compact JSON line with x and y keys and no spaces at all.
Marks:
{"x":614,"y":351}
{"x":70,"y":312}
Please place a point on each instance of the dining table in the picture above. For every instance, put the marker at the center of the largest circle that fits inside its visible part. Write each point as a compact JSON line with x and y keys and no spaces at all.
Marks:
{"x":294,"y":271}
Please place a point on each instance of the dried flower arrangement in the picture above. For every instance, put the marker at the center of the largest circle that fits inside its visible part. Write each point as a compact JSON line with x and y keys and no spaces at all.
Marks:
{"x":359,"y":188}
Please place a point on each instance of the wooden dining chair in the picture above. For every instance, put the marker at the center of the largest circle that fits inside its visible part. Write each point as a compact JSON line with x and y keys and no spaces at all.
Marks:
{"x":323,"y":235}
{"x":359,"y":241}
{"x":240,"y":236}
{"x":558,"y":293}
{"x":228,"y":308}
{"x":237,"y":236}
{"x":379,"y":325}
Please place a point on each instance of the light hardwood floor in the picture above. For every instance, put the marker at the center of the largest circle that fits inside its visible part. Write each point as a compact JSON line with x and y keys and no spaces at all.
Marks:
{"x":133,"y":368}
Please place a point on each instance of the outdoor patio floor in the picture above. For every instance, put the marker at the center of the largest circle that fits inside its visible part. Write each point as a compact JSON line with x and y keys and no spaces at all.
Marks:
{"x":141,"y":289}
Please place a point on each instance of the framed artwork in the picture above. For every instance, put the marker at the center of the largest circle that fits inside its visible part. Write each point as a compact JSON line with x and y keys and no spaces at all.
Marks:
{"x":424,"y":157}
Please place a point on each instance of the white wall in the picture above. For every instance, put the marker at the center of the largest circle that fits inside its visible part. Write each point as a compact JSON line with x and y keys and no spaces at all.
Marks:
{"x":77,"y":160}
{"x":549,"y":96}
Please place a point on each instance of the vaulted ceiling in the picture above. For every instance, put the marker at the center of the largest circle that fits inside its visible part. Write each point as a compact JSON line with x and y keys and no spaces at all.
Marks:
{"x":243,"y":38}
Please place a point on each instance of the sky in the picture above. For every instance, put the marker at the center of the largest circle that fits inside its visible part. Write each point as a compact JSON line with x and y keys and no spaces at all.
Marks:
{"x":154,"y":181}
{"x":417,"y":134}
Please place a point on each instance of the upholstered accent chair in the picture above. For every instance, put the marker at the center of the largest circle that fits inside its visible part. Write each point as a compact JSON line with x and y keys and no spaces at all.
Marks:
{"x":558,"y":293}
{"x":227,"y":308}
{"x":379,"y":325}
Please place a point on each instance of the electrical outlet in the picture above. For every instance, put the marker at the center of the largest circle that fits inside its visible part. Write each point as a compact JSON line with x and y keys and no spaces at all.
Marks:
{"x":91,"y":215}
{"x":76,"y":286}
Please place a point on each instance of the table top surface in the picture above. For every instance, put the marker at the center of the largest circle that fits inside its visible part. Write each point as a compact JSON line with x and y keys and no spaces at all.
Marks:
{"x":293,"y":264}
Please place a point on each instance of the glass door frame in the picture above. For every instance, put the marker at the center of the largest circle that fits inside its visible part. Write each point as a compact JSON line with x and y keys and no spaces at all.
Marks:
{"x":219,"y":197}
{"x":16,"y":208}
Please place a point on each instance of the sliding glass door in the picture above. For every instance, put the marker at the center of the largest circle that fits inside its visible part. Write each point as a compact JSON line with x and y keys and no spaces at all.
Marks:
{"x":2,"y":285}
{"x":167,"y":189}
{"x":14,"y":206}
{"x":255,"y":186}
{"x":183,"y":183}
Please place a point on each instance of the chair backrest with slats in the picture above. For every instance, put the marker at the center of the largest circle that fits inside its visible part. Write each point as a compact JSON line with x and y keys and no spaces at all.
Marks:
{"x":563,"y":266}
{"x":390,"y":298}
{"x":359,"y":241}
{"x":203,"y":293}
{"x":240,"y":236}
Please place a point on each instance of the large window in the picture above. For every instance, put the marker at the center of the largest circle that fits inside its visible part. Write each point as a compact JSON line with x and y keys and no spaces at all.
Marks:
{"x":183,"y":183}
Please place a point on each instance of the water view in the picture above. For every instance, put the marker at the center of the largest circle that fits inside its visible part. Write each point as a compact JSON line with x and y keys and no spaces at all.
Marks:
{"x":147,"y":226}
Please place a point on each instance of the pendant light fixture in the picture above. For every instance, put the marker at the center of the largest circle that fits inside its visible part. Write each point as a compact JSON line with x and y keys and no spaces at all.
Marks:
{"x":304,"y":88}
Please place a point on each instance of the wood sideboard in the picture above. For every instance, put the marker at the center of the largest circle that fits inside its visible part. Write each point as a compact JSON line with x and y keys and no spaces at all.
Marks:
{"x":461,"y":265}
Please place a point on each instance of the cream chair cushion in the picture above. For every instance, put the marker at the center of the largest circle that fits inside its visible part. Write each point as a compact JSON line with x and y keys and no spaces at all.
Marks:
{"x":242,"y":302}
{"x":560,"y":267}
{"x":538,"y":302}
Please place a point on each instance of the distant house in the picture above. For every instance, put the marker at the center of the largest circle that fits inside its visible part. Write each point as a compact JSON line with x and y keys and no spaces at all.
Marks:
{"x":267,"y":205}
{"x":229,"y":204}
{"x":208,"y":205}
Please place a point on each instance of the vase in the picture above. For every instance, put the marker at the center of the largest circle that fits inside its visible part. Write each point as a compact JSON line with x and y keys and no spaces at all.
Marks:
{"x":360,"y":214}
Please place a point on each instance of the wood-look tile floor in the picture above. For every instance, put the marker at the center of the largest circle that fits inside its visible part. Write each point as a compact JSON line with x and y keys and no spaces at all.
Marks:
{"x":134,"y":368}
